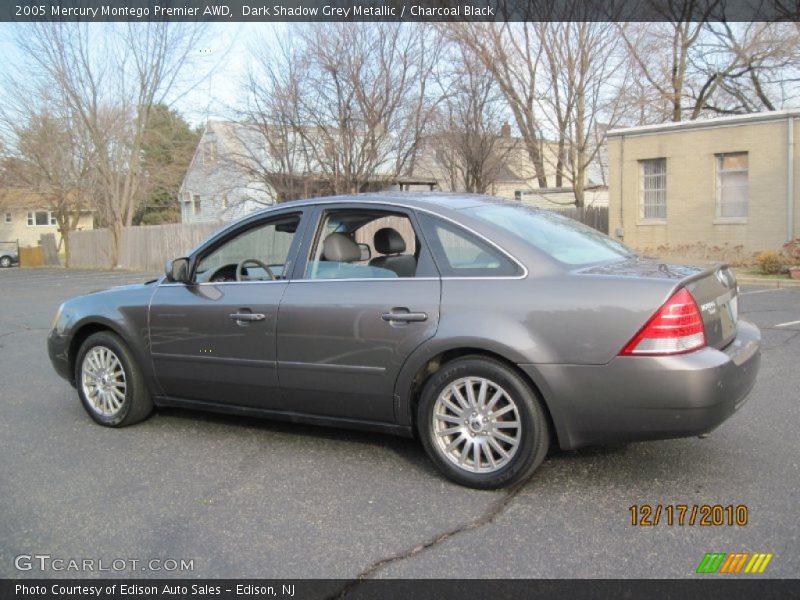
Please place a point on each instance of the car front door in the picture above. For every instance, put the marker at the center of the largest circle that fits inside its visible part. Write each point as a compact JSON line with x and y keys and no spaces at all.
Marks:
{"x":350,"y":317}
{"x":213,"y":339}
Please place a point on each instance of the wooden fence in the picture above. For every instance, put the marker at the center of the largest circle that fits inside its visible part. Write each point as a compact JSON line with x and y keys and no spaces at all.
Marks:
{"x":141,"y":248}
{"x":147,"y":248}
{"x":593,"y":216}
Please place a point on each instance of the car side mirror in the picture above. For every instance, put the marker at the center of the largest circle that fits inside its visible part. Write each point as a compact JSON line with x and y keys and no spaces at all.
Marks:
{"x":366,"y":253}
{"x":177,"y":270}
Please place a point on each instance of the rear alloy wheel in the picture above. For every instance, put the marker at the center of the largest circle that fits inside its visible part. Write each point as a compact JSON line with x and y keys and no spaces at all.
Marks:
{"x":5,"y":262}
{"x":482,"y":424}
{"x":110,"y":383}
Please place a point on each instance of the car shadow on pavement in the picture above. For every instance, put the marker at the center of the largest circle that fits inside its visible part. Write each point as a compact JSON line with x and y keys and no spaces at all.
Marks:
{"x":408,"y":450}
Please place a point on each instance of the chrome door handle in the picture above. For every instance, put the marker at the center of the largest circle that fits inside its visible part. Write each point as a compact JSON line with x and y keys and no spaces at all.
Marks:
{"x":406,"y":317}
{"x":247,"y":317}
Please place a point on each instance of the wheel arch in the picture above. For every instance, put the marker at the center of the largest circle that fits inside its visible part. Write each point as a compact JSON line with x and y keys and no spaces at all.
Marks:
{"x":89,"y":327}
{"x":415,"y":374}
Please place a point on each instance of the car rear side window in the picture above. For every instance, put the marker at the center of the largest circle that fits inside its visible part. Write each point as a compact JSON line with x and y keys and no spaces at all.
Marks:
{"x":355,"y":243}
{"x":564,"y":239}
{"x":458,"y":253}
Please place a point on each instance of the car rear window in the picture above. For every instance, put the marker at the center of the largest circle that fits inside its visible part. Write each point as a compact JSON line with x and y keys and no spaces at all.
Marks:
{"x":564,"y":239}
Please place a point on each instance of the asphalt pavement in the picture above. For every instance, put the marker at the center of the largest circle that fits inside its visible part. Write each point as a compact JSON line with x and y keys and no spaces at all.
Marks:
{"x":249,"y":498}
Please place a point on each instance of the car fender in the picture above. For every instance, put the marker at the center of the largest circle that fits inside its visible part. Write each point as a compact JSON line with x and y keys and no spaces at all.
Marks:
{"x":129,"y":321}
{"x":462,"y":331}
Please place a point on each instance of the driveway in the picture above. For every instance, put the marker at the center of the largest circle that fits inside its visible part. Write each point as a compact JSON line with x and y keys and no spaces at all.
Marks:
{"x":247,"y":498}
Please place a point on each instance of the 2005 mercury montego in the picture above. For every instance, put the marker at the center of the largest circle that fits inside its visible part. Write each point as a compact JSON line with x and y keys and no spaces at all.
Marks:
{"x":486,"y":328}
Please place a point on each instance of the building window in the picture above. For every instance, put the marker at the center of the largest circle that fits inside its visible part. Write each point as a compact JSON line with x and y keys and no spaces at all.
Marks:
{"x":196,"y":207}
{"x":732,"y":185}
{"x":39,"y":218}
{"x":8,"y":217}
{"x":209,"y":152}
{"x":653,"y":188}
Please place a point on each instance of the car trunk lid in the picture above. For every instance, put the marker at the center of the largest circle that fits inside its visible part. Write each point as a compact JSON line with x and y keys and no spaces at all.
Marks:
{"x":717,"y":296}
{"x":713,"y":288}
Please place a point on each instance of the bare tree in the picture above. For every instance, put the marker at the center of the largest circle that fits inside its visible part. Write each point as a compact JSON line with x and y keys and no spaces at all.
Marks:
{"x":583,"y":70}
{"x":343,"y":106}
{"x":762,"y":68}
{"x":472,"y":139}
{"x":109,"y":78}
{"x":561,"y":80}
{"x":269,"y":147}
{"x":51,"y":158}
{"x":695,"y":65}
{"x":512,"y":53}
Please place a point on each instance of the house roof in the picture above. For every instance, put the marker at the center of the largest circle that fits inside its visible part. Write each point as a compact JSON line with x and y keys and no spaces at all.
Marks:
{"x":21,"y":198}
{"x":25,"y":198}
{"x":734,"y":121}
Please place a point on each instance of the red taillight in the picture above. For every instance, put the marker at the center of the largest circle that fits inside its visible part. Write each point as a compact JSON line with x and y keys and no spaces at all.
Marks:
{"x":676,"y":328}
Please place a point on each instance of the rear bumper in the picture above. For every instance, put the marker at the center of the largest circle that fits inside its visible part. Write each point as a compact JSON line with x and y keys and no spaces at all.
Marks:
{"x":648,"y":398}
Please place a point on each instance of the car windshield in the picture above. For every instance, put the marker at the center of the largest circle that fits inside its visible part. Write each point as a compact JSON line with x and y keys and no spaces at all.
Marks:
{"x":562,"y":238}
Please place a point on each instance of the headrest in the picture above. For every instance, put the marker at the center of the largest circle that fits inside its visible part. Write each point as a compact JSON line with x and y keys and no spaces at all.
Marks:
{"x":389,"y":241}
{"x":339,"y":247}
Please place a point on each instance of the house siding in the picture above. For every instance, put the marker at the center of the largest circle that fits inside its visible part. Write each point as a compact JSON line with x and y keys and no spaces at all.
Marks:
{"x":213,"y":176}
{"x":691,"y":196}
{"x":29,"y":235}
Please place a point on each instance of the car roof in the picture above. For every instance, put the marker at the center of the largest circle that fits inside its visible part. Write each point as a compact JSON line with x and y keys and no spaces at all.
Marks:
{"x":441,"y":202}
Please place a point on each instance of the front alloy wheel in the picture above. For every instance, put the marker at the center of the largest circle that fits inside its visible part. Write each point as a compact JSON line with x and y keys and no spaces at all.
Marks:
{"x":103,"y":381}
{"x":482,"y":424}
{"x":110,"y":383}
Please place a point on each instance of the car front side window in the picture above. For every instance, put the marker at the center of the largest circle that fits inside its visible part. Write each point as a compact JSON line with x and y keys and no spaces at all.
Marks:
{"x":259,"y":253}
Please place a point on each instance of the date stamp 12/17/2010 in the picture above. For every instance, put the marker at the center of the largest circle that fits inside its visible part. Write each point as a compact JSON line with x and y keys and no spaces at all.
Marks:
{"x":680,"y":515}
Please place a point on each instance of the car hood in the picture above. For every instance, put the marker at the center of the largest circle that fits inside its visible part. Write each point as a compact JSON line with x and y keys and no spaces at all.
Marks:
{"x":126,"y":287}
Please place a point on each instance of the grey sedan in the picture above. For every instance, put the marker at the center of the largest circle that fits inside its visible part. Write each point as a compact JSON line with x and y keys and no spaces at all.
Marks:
{"x":490,"y":330}
{"x":8,"y":258}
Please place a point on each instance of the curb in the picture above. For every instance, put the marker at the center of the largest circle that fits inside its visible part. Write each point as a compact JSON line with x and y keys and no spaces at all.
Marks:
{"x":775,"y":283}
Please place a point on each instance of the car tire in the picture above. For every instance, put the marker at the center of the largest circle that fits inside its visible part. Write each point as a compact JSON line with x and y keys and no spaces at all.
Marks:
{"x":452,"y":421}
{"x":5,"y":262}
{"x":110,"y":383}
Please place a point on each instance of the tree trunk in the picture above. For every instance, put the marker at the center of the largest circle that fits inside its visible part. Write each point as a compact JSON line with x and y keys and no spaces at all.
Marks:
{"x":65,"y":240}
{"x":116,"y":242}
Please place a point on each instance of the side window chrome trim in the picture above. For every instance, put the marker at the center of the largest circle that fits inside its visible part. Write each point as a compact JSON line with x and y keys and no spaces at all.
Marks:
{"x":224,"y":282}
{"x":311,"y":204}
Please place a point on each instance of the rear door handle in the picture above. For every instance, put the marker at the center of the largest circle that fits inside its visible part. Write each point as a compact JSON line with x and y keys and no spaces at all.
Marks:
{"x":404,"y":316}
{"x":247,"y":317}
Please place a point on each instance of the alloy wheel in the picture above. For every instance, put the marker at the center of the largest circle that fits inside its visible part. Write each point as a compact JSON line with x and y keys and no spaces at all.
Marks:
{"x":476,"y":425}
{"x":103,"y":381}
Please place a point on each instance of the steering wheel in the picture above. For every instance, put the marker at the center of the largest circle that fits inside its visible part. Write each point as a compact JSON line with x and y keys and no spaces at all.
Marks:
{"x":240,"y":275}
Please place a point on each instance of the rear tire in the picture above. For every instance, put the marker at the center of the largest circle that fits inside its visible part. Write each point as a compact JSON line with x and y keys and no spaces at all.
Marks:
{"x":481,"y":423}
{"x":110,"y":383}
{"x":5,"y":262}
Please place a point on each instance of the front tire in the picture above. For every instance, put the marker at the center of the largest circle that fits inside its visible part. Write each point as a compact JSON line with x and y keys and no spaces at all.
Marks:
{"x":110,"y":383}
{"x":481,"y":423}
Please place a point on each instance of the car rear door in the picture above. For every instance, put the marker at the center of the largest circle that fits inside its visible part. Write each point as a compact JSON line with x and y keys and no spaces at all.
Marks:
{"x":342,"y":340}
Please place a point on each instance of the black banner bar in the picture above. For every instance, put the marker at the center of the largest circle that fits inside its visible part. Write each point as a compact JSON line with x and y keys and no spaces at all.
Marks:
{"x":398,"y":10}
{"x":708,"y":587}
